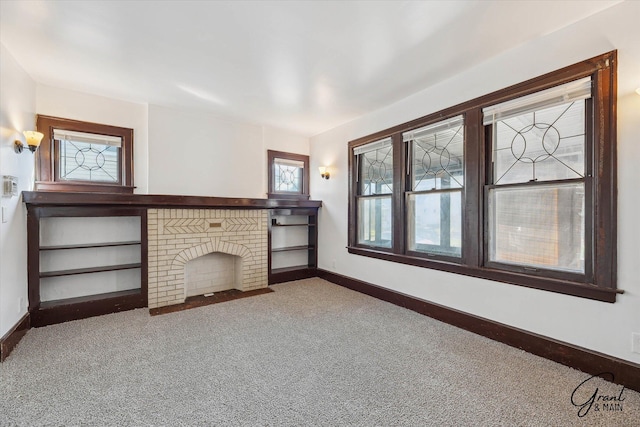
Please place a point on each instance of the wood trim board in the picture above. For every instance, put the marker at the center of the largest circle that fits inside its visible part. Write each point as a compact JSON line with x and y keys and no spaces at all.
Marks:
{"x":11,"y":339}
{"x":52,"y":198}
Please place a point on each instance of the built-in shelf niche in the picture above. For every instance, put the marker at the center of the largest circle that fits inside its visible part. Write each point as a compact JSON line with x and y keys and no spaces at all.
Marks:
{"x":293,"y":239}
{"x":101,"y":253}
{"x":85,"y":261}
{"x":57,"y":307}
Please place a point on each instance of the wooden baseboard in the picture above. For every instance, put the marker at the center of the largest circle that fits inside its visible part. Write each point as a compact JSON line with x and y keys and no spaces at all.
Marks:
{"x":290,"y":275}
{"x":624,"y":372}
{"x":50,"y":313}
{"x":11,"y":339}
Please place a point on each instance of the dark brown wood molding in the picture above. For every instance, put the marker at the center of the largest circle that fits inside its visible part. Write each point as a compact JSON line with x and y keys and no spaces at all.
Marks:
{"x":625,"y":372}
{"x":11,"y":339}
{"x":51,"y":198}
{"x":566,"y":287}
{"x":289,"y":276}
{"x":98,"y":188}
{"x":287,"y":196}
{"x":82,"y":307}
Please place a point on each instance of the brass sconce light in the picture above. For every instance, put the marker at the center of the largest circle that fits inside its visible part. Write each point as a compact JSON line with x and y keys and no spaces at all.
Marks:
{"x":324,"y":172}
{"x":33,"y":141}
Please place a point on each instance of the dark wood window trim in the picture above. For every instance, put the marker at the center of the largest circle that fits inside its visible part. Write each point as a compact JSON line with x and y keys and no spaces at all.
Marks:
{"x":600,"y":283}
{"x":47,"y":157}
{"x":272,"y":193}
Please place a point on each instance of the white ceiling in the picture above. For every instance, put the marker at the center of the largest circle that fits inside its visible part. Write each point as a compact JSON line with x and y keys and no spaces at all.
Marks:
{"x":303,"y":66}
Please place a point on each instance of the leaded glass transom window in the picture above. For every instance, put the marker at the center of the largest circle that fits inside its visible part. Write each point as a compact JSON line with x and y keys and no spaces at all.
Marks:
{"x":288,"y":175}
{"x":88,"y":157}
{"x":375,"y":162}
{"x":542,"y":145}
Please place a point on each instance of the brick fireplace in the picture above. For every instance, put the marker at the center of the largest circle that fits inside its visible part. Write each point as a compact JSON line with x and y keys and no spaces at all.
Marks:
{"x":184,"y":244}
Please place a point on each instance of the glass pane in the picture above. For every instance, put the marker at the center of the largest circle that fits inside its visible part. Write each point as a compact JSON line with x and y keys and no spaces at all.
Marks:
{"x":541,"y":146}
{"x":376,"y":171}
{"x":82,"y":161}
{"x":438,"y":160}
{"x":541,"y":226}
{"x":434,"y":223}
{"x":288,"y":162}
{"x":374,"y":221}
{"x":287,"y":178}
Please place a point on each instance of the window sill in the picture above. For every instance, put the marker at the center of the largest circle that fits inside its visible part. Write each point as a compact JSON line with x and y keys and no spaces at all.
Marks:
{"x":547,"y":284}
{"x":288,"y":196}
{"x":76,"y":187}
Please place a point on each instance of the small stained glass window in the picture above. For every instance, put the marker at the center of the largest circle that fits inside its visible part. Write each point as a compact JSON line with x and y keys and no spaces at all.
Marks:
{"x":288,"y":175}
{"x":88,"y":157}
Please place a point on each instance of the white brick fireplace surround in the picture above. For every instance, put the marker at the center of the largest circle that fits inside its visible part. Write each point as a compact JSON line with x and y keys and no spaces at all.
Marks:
{"x":178,"y":236}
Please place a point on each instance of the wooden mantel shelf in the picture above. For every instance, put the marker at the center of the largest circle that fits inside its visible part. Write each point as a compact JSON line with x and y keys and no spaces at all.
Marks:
{"x":58,"y":198}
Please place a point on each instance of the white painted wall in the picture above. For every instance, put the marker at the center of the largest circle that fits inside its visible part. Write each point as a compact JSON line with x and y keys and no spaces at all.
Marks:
{"x":17,"y":113}
{"x":68,"y":104}
{"x":280,"y":140}
{"x":229,"y":161}
{"x":594,"y":325}
{"x":201,"y":154}
{"x":204,"y":154}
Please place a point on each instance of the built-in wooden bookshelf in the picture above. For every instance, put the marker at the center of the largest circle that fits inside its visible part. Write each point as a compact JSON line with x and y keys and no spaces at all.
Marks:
{"x":90,"y":258}
{"x":293,"y":238}
{"x":297,"y":218}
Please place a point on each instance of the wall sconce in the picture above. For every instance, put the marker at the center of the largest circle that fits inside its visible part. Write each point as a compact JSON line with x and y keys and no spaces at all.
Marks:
{"x":324,"y":172}
{"x":638,"y":91}
{"x":33,"y":141}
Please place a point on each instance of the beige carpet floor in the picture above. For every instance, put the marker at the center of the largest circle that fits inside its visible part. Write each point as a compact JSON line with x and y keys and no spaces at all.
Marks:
{"x":310,"y":353}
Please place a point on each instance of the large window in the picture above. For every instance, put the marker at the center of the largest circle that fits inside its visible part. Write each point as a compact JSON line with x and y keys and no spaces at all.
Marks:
{"x":83,"y":156}
{"x":516,"y":186}
{"x":375,"y":186}
{"x":536,"y":193}
{"x":434,"y":199}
